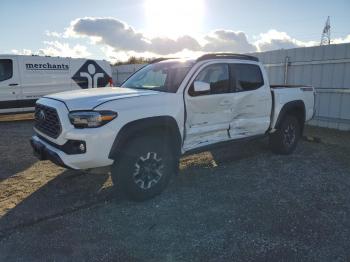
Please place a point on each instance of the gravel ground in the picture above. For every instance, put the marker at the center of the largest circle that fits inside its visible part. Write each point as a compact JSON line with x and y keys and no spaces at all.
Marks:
{"x":241,"y":203}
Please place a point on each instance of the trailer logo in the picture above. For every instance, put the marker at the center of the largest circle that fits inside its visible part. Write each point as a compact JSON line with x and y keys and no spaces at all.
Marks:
{"x":46,"y":66}
{"x":91,"y":75}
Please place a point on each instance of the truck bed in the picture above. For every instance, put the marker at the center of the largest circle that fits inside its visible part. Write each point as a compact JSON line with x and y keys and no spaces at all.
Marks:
{"x":283,"y":94}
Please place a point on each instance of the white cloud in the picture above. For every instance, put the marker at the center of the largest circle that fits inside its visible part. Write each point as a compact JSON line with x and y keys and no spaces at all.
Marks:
{"x":227,"y":41}
{"x":341,"y":40}
{"x":119,"y":41}
{"x":274,"y":39}
{"x":53,"y":34}
{"x":22,"y":52}
{"x":56,"y":48}
{"x":121,"y":37}
{"x":116,"y":56}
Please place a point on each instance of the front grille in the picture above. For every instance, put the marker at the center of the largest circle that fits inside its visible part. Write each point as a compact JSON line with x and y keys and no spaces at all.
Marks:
{"x":47,"y":120}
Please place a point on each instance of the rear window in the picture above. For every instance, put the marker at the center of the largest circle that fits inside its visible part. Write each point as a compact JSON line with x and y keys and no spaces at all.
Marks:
{"x":5,"y":69}
{"x":247,"y":77}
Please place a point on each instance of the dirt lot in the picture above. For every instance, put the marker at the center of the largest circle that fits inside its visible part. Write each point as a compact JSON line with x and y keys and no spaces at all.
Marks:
{"x":241,"y":203}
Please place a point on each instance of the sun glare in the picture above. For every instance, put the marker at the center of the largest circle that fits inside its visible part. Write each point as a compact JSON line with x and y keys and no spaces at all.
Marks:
{"x":174,"y":18}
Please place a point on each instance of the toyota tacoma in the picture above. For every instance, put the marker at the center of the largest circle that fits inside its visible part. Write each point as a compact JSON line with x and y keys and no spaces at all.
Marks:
{"x":166,"y":109}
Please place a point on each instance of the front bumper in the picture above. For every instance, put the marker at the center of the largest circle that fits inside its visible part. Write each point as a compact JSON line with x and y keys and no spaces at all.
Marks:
{"x":90,"y":159}
{"x":44,"y":153}
{"x":96,"y":141}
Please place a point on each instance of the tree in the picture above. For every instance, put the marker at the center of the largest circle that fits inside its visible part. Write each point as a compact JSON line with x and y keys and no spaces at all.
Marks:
{"x":134,"y":60}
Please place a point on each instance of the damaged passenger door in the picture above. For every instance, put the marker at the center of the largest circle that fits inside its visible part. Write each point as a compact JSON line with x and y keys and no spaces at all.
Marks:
{"x":209,"y":111}
{"x":252,"y":101}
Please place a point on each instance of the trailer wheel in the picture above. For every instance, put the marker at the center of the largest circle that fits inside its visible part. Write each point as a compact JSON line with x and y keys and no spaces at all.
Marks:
{"x":284,"y":140}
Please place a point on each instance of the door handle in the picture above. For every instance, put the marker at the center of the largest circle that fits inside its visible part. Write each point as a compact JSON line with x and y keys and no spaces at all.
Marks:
{"x":13,"y":84}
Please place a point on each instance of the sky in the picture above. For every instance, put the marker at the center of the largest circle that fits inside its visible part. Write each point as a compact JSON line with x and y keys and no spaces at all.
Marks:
{"x":116,"y":30}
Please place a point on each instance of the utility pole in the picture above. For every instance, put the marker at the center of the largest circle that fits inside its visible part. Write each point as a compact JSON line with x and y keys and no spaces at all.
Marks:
{"x":326,"y":33}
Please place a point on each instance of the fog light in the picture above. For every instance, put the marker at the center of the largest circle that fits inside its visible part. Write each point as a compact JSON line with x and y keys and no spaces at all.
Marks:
{"x":73,"y":147}
{"x":82,"y":147}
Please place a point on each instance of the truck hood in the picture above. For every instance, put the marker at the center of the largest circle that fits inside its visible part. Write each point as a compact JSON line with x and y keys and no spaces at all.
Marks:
{"x":86,"y":99}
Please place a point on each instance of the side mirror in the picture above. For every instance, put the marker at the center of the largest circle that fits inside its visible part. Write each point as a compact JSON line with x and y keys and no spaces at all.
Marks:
{"x":200,"y":86}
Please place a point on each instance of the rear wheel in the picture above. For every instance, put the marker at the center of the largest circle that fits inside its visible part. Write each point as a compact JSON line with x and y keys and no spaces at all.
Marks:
{"x":284,"y":140}
{"x":144,"y":168}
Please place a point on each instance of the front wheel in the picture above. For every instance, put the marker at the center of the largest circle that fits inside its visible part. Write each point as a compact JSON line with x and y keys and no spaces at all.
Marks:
{"x":144,"y":168}
{"x":284,"y":140}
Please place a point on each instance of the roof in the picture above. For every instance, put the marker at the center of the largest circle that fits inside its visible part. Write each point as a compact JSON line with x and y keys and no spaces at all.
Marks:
{"x":210,"y":57}
{"x":227,"y":56}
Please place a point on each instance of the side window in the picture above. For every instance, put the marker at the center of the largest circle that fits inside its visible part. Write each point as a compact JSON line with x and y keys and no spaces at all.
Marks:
{"x":6,"y":70}
{"x":247,"y":77}
{"x":217,"y":76}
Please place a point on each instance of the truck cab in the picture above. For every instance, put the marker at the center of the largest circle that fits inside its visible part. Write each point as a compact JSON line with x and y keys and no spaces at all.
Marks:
{"x":227,"y":99}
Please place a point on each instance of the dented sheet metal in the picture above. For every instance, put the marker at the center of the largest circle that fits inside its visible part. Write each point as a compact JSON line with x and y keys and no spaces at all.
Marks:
{"x":215,"y":118}
{"x":250,"y":113}
{"x":208,"y":119}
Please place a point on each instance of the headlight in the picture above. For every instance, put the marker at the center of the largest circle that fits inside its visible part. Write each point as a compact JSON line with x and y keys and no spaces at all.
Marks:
{"x":90,"y":119}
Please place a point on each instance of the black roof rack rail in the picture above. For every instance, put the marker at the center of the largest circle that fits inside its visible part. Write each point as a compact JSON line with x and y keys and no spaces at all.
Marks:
{"x":161,"y":59}
{"x":227,"y":55}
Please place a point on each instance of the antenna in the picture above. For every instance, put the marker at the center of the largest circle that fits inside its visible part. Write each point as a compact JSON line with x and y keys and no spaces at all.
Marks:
{"x":326,"y":33}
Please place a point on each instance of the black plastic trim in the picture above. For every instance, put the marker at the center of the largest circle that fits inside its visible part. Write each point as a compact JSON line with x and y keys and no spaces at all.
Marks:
{"x":43,"y":153}
{"x":166,"y":124}
{"x":223,"y":144}
{"x":290,"y":107}
{"x":288,"y":86}
{"x":44,"y":129}
{"x":17,"y":103}
{"x":227,"y":56}
{"x":67,"y":147}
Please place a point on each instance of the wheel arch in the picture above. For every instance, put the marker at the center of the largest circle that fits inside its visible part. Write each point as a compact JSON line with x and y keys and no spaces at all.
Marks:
{"x":159,"y":125}
{"x":295,"y":108}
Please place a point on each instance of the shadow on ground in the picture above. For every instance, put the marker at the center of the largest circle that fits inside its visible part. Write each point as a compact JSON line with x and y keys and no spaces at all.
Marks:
{"x":73,"y":190}
{"x":15,"y":151}
{"x":239,"y":203}
{"x":67,"y":192}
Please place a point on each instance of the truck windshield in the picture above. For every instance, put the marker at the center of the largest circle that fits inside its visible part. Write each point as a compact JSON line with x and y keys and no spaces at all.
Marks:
{"x":163,"y":76}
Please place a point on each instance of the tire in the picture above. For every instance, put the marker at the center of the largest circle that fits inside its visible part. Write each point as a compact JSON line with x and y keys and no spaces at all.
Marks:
{"x":284,"y":140}
{"x":145,"y":168}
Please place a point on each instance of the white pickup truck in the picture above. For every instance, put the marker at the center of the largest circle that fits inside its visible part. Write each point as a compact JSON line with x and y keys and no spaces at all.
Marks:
{"x":168,"y":108}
